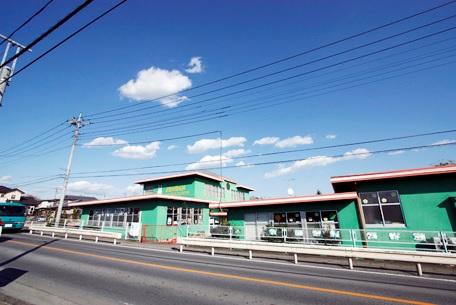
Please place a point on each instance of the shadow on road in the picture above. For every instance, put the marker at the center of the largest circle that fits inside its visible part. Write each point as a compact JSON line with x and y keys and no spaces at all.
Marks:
{"x":2,"y":239}
{"x":25,"y":253}
{"x":9,"y":275}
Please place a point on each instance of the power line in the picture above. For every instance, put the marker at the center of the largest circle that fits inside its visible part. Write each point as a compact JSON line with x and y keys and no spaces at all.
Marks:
{"x":66,"y":39}
{"x":39,"y":181}
{"x":154,"y":140}
{"x":190,"y":121}
{"x":130,"y":127}
{"x":82,"y":28}
{"x":49,"y":31}
{"x":381,"y":140}
{"x":364,"y":72}
{"x":27,"y":142}
{"x":39,"y":11}
{"x":33,"y":145}
{"x":286,"y":58}
{"x":394,"y":64}
{"x":303,"y":73}
{"x":280,"y":161}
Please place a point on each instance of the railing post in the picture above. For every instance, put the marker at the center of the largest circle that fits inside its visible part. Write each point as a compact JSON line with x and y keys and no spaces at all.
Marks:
{"x":102,"y":225}
{"x":186,"y":230}
{"x":353,"y":237}
{"x":230,"y":232}
{"x":284,"y":234}
{"x":81,"y":225}
{"x":444,"y":241}
{"x":64,"y":223}
{"x":419,"y":269}
{"x":126,"y":231}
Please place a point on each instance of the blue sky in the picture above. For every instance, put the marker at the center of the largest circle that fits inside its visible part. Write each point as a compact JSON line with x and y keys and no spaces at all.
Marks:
{"x":160,"y":38}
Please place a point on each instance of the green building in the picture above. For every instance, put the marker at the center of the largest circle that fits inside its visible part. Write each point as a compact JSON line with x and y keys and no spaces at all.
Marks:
{"x":406,"y":208}
{"x":412,"y":208}
{"x":166,"y":204}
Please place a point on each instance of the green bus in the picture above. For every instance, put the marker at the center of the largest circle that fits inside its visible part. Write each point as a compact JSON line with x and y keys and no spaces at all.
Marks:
{"x":12,"y":215}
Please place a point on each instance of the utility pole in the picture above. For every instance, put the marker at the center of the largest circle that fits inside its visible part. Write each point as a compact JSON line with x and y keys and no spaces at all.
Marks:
{"x":77,"y":124}
{"x":6,"y":72}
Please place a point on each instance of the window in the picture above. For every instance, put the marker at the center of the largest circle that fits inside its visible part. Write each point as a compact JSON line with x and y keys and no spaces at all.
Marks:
{"x":312,"y":217}
{"x":184,"y":216}
{"x":113,"y":217}
{"x":280,"y":218}
{"x":294,"y":217}
{"x":212,"y":191}
{"x":171,"y":218}
{"x":382,"y":208}
{"x":11,"y":210}
{"x":197,"y":216}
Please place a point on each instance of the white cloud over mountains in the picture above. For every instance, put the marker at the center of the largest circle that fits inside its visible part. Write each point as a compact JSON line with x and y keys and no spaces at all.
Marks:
{"x":207,"y":144}
{"x":331,"y":136}
{"x":138,"y":151}
{"x":154,"y":83}
{"x":359,"y":153}
{"x":195,"y":65}
{"x":104,"y":141}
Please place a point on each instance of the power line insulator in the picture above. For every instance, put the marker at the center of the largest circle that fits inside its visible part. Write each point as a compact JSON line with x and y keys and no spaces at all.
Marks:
{"x":5,"y":74}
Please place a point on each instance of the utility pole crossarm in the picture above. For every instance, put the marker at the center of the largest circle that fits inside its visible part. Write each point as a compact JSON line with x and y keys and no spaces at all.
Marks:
{"x":77,"y":124}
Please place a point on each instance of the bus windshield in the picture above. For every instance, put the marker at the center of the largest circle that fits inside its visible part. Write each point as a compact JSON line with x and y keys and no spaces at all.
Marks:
{"x":12,"y":210}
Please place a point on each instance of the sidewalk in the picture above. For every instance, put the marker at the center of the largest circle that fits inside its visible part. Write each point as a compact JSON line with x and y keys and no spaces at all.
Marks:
{"x":7,"y":300}
{"x":362,"y":264}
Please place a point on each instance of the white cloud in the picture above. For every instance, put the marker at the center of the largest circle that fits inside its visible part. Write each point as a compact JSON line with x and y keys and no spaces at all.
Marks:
{"x":294,"y":141}
{"x":172,"y":147}
{"x":138,"y":151}
{"x":396,"y":152}
{"x":359,"y":153}
{"x":134,"y":189}
{"x":266,"y":141}
{"x":243,"y":164}
{"x":236,"y":153}
{"x":331,"y":136}
{"x":195,"y":65}
{"x":87,"y":187}
{"x":444,"y":141}
{"x":207,"y":144}
{"x":5,"y":179}
{"x":154,"y":83}
{"x":104,"y":141}
{"x":210,"y":161}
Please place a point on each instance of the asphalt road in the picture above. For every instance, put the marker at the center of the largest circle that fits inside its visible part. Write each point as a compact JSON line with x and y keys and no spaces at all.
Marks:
{"x":40,"y":270}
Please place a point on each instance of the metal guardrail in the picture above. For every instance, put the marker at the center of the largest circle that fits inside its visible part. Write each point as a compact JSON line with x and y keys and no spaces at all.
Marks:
{"x":350,"y":253}
{"x":67,"y":232}
{"x":385,"y":238}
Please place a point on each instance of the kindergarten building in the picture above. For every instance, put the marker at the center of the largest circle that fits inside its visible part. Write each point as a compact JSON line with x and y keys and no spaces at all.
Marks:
{"x":166,"y":203}
{"x":379,"y":204}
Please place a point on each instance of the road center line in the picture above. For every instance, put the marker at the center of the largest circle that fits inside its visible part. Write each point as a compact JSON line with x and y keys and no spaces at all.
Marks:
{"x":230,"y":276}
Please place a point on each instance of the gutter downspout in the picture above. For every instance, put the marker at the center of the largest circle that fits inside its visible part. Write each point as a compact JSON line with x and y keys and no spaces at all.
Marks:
{"x":362,"y":219}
